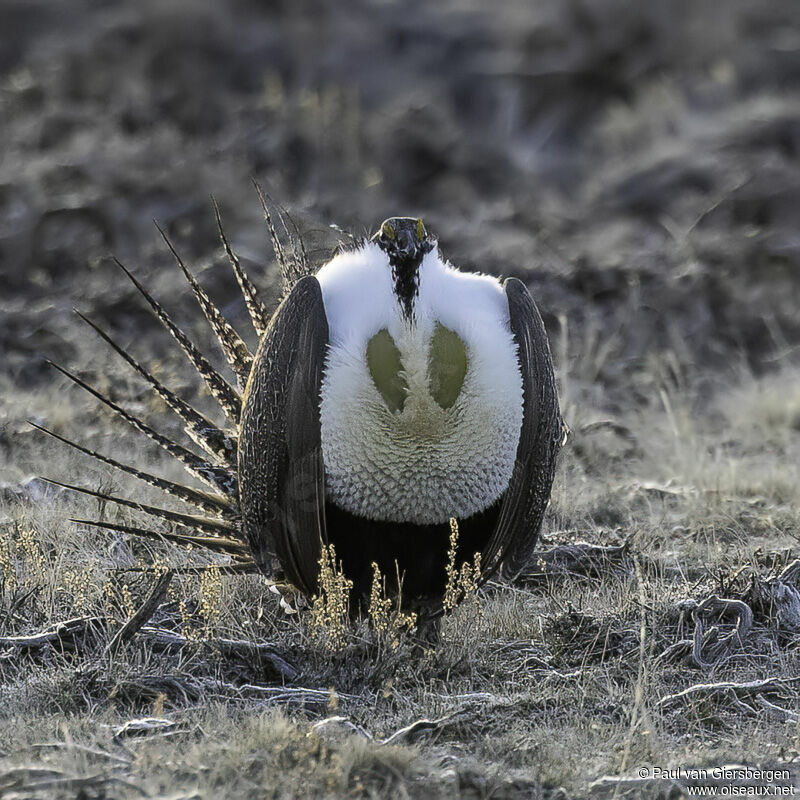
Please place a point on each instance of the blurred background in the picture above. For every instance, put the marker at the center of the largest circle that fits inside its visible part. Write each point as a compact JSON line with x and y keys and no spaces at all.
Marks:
{"x":635,"y":163}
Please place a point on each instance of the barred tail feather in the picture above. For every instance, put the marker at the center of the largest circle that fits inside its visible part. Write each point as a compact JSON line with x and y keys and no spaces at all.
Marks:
{"x":221,"y":478}
{"x":233,"y":346}
{"x":295,"y":239}
{"x":277,"y":245}
{"x":206,"y":501}
{"x":208,"y":524}
{"x":199,"y":428}
{"x":217,"y":544}
{"x":293,"y":265}
{"x":257,"y":310}
{"x":227,"y":397}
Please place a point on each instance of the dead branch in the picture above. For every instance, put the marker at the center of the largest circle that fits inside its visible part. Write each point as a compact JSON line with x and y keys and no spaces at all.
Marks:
{"x":791,"y":572}
{"x":776,"y":713}
{"x":191,"y":689}
{"x":80,"y":748}
{"x":412,"y":731}
{"x":33,"y":781}
{"x":749,"y":689}
{"x":233,"y":649}
{"x":730,"y":776}
{"x":250,"y":652}
{"x":338,"y":724}
{"x":142,"y":616}
{"x":778,"y":598}
{"x":622,"y":431}
{"x":63,"y":633}
{"x":144,"y":726}
{"x":19,"y":777}
{"x":708,"y":646}
{"x":276,"y":694}
{"x":721,"y":646}
{"x":676,"y":651}
{"x":624,"y":786}
{"x":80,"y":785}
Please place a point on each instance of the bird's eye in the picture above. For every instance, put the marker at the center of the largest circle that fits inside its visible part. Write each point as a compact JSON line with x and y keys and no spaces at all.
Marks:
{"x":421,"y":232}
{"x":388,"y":231}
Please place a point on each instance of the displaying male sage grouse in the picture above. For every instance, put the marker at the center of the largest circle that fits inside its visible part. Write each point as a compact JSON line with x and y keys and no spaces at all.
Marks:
{"x":389,"y":392}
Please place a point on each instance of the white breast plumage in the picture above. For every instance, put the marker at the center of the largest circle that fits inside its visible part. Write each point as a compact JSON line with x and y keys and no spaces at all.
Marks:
{"x":424,"y":463}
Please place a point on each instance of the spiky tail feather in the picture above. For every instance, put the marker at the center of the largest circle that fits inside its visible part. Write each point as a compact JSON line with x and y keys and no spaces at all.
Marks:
{"x":209,"y":502}
{"x":226,"y":396}
{"x":218,"y":527}
{"x":259,"y":316}
{"x":293,"y":264}
{"x":236,"y":351}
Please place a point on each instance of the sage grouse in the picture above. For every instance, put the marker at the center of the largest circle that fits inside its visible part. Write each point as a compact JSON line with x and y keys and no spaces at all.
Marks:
{"x":389,"y":393}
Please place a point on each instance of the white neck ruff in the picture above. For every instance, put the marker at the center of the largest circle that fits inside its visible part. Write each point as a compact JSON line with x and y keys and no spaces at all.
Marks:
{"x":423,"y":464}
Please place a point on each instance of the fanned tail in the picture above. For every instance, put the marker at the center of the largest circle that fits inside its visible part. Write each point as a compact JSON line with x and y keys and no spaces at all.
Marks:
{"x":216,"y":526}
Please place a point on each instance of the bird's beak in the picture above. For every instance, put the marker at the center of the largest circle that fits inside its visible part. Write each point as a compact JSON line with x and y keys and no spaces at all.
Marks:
{"x":406,"y":244}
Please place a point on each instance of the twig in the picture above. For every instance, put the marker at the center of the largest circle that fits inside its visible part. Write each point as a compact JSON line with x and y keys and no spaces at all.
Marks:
{"x":142,"y":616}
{"x":17,"y":777}
{"x":775,"y":712}
{"x":620,"y":785}
{"x":750,"y":688}
{"x":91,"y":751}
{"x":342,"y":723}
{"x":278,"y":694}
{"x":241,"y":649}
{"x":71,"y":784}
{"x":410,"y":732}
{"x":778,"y":597}
{"x":144,"y":726}
{"x":253,"y":651}
{"x":711,"y":640}
{"x":578,"y":560}
{"x":193,"y":689}
{"x":62,"y":633}
{"x":607,"y":424}
{"x":676,"y":651}
{"x":791,"y":572}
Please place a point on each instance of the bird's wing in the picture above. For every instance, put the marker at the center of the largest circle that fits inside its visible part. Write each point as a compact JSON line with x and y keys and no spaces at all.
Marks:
{"x":526,"y":498}
{"x":281,"y":474}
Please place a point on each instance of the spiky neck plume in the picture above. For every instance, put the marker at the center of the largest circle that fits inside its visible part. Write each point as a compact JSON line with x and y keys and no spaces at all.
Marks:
{"x":406,"y":242}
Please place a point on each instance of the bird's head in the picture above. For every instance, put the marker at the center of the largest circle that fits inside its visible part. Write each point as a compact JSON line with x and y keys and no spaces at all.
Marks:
{"x":404,"y":239}
{"x":406,"y":242}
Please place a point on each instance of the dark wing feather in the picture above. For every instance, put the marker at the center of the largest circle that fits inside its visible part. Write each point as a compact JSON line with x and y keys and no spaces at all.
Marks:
{"x":526,"y":498}
{"x":282,"y":480}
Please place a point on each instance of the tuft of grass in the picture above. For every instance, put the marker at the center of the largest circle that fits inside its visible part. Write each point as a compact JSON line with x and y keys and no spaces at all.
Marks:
{"x":461,"y":583}
{"x":385,"y":617}
{"x":330,"y":607}
{"x":211,"y":589}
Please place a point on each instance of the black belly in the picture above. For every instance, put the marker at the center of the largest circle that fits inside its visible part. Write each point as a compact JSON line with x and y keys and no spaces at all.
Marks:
{"x":417,"y":552}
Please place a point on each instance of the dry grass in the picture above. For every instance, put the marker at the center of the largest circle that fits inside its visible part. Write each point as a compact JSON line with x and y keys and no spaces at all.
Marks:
{"x":574,"y":673}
